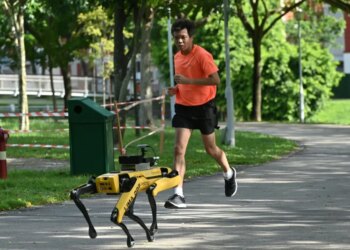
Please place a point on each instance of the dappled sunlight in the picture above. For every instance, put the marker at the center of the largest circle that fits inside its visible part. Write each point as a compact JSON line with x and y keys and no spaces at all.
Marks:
{"x":298,"y":202}
{"x":5,"y":238}
{"x":258,"y":180}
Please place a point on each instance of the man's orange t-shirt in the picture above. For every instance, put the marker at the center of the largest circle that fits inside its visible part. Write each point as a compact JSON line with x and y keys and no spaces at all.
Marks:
{"x":199,"y":63}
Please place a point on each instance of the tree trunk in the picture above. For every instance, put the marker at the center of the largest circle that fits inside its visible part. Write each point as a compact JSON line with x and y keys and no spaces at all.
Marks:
{"x":119,"y":57}
{"x":54,"y":103}
{"x":67,"y":84}
{"x":15,"y":13}
{"x":256,"y":95}
{"x":22,"y":75}
{"x":135,"y":48}
{"x":146,"y":73}
{"x":120,"y":61}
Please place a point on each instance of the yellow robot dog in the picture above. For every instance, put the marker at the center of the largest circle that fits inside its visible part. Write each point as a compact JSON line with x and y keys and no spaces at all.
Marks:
{"x":128,"y":184}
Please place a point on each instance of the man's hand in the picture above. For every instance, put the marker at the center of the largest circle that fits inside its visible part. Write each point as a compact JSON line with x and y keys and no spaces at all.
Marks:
{"x":172,"y":91}
{"x":181,"y":79}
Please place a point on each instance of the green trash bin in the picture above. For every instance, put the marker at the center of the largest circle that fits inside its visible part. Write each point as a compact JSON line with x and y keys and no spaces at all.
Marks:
{"x":90,"y":137}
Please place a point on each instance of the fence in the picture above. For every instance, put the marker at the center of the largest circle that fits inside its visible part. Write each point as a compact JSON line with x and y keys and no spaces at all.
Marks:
{"x":125,"y":106}
{"x":39,"y":85}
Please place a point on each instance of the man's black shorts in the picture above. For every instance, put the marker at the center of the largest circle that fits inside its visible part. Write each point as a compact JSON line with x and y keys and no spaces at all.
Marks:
{"x":203,"y":117}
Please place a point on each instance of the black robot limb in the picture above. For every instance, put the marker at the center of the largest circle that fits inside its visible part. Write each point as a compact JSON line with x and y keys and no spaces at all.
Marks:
{"x":129,"y":184}
{"x":88,"y":188}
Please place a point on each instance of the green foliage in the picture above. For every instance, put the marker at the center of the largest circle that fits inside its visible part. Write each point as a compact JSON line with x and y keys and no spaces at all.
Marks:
{"x":6,"y":37}
{"x":338,"y":4}
{"x":211,"y":37}
{"x":280,"y":80}
{"x":280,"y":88}
{"x":196,"y":10}
{"x":54,"y":24}
{"x":160,"y":47}
{"x":320,"y":74}
{"x":316,"y":28}
{"x":97,"y":26}
{"x":64,"y":28}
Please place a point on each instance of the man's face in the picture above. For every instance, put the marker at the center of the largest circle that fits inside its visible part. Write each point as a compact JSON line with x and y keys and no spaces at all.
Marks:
{"x":183,"y":41}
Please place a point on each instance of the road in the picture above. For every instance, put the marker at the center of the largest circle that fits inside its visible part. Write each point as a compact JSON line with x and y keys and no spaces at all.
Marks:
{"x":298,"y":202}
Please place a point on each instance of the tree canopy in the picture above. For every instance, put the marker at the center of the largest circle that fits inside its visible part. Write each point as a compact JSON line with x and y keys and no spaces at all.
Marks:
{"x":262,"y":47}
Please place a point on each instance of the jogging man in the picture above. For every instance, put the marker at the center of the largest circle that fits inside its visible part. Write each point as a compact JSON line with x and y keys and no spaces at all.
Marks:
{"x":196,"y":78}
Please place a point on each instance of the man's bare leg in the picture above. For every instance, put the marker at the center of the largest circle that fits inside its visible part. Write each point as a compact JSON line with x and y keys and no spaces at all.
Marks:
{"x":182,"y":136}
{"x":219,"y":155}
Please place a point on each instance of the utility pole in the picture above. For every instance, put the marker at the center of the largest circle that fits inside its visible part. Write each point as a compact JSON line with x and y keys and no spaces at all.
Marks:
{"x":299,"y":12}
{"x":229,"y":138}
{"x":171,"y":64}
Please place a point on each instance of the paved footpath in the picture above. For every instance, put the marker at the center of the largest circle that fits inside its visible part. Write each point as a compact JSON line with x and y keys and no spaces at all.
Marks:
{"x":299,"y":202}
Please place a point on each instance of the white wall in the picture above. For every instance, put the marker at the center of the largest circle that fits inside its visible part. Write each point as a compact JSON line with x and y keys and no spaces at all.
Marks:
{"x":347,"y":63}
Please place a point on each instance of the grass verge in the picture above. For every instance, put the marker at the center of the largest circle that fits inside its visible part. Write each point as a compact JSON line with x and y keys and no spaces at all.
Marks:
{"x":26,"y":188}
{"x":336,"y":111}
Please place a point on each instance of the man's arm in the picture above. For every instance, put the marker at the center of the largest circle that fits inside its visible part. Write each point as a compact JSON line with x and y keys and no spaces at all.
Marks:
{"x":212,"y":79}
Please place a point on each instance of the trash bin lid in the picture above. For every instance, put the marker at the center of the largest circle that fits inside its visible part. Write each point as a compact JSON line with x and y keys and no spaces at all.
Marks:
{"x":83,"y":110}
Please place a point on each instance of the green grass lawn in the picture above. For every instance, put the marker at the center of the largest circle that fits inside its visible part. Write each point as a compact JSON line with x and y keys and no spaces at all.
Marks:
{"x":25,"y":188}
{"x":335,"y":111}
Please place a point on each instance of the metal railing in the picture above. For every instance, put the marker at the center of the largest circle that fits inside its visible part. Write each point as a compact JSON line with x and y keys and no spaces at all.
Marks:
{"x":39,"y":85}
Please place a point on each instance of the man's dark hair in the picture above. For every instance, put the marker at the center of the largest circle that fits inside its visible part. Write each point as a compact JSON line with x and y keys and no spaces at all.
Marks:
{"x":181,"y":24}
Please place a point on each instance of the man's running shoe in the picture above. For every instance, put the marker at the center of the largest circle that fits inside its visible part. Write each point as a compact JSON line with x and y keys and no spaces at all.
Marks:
{"x":175,"y":201}
{"x":231,"y":185}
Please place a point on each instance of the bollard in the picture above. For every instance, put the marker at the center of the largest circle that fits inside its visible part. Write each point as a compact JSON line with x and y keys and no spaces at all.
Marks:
{"x":3,"y":164}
